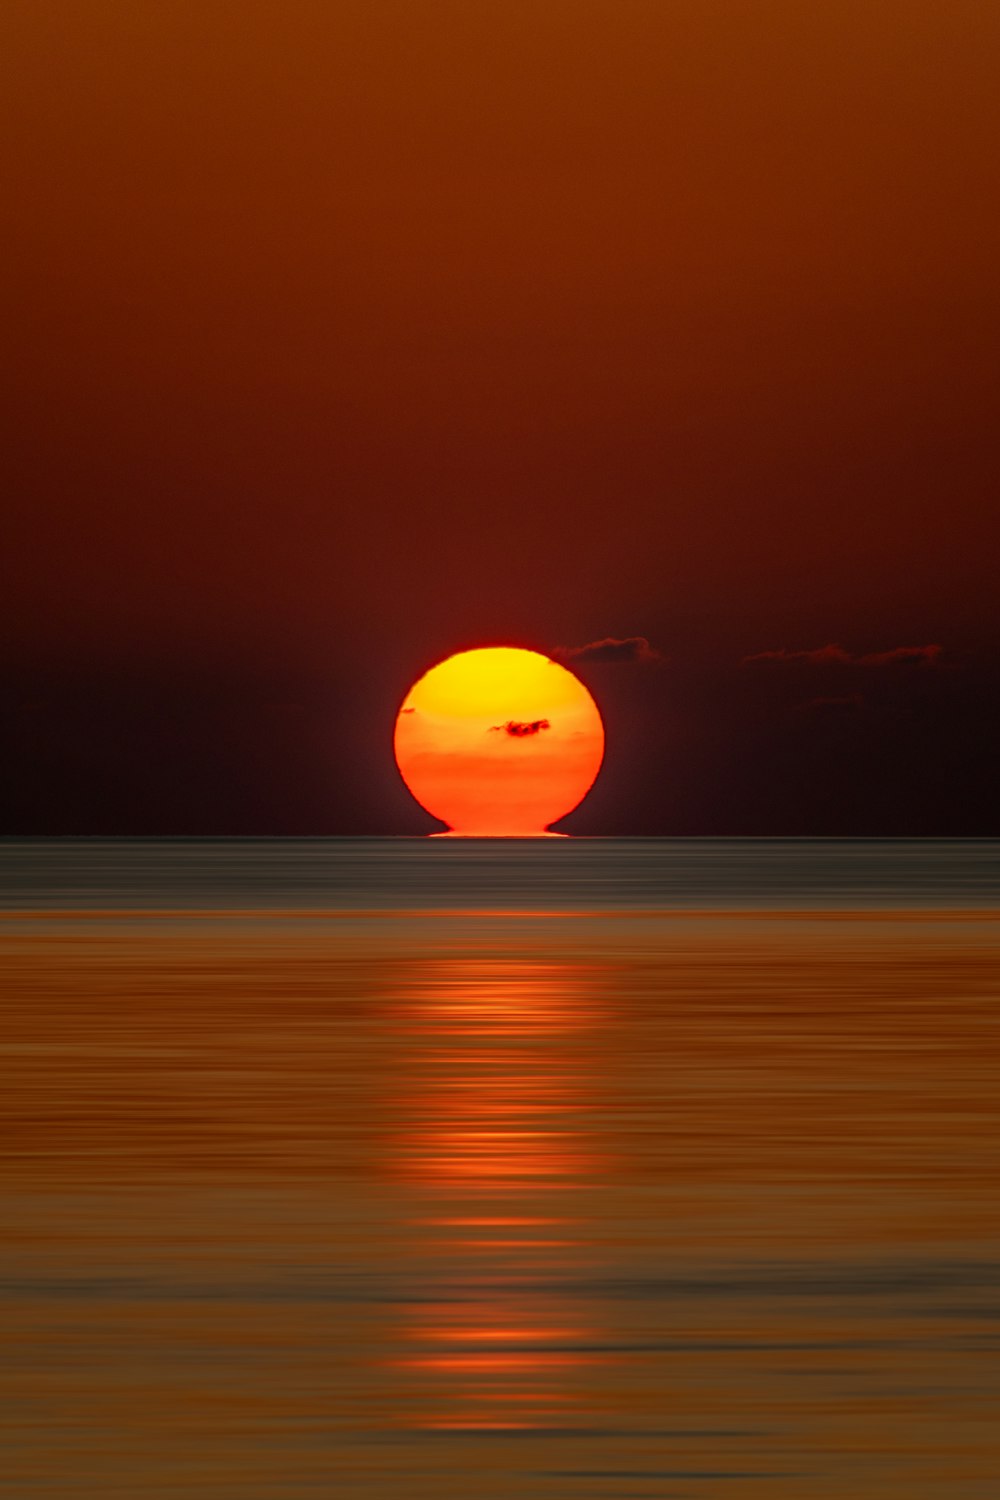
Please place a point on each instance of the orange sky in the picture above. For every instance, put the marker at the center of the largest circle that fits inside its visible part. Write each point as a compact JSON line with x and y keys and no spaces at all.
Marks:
{"x":342,"y":336}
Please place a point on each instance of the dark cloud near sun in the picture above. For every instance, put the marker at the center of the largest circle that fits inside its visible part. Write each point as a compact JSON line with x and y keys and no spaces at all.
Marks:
{"x":836,"y":656}
{"x":631,"y":648}
{"x":904,"y":656}
{"x":520,"y":730}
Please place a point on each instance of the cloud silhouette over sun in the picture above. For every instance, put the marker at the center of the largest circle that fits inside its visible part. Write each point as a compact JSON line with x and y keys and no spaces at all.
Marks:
{"x":520,"y":730}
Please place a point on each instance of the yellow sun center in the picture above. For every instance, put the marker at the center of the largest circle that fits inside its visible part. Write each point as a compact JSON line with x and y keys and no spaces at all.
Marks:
{"x":499,"y":741}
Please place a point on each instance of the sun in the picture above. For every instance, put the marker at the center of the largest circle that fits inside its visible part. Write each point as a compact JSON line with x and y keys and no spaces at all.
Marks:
{"x":499,"y":742}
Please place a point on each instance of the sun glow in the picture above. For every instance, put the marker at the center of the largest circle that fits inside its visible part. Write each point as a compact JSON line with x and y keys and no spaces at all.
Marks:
{"x":499,"y":742}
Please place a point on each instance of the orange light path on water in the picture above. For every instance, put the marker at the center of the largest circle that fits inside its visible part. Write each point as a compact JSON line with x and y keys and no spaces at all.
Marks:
{"x":491,"y":1134}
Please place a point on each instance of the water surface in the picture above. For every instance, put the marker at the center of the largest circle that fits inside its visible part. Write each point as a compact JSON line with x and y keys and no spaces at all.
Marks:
{"x":402,"y":1169}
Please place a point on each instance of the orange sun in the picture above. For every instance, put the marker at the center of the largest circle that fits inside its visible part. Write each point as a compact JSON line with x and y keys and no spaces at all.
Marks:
{"x":499,"y":742}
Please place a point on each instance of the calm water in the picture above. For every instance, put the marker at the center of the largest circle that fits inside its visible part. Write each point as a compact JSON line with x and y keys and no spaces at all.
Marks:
{"x":521,"y":1171}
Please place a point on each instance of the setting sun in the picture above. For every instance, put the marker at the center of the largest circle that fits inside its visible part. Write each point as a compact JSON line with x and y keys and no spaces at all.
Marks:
{"x":499,"y":742}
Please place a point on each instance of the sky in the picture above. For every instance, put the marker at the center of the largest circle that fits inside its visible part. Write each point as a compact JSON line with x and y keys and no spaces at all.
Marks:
{"x":345,"y":334}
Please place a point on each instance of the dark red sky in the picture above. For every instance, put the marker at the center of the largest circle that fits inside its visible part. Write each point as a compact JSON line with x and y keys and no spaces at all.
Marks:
{"x":344,"y":334}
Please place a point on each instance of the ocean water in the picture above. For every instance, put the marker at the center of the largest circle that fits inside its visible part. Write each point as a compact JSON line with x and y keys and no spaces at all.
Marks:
{"x":520,"y":1170}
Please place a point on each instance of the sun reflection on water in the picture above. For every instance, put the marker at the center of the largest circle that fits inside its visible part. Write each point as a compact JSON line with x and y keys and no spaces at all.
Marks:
{"x":494,"y":1153}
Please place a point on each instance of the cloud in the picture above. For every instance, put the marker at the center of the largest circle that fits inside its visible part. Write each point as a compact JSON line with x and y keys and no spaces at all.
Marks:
{"x":825,"y":656}
{"x":519,"y":730}
{"x":632,"y":648}
{"x":904,"y":656}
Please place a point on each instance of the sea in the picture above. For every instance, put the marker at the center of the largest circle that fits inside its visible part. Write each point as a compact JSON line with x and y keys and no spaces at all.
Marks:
{"x":557,"y":1169}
